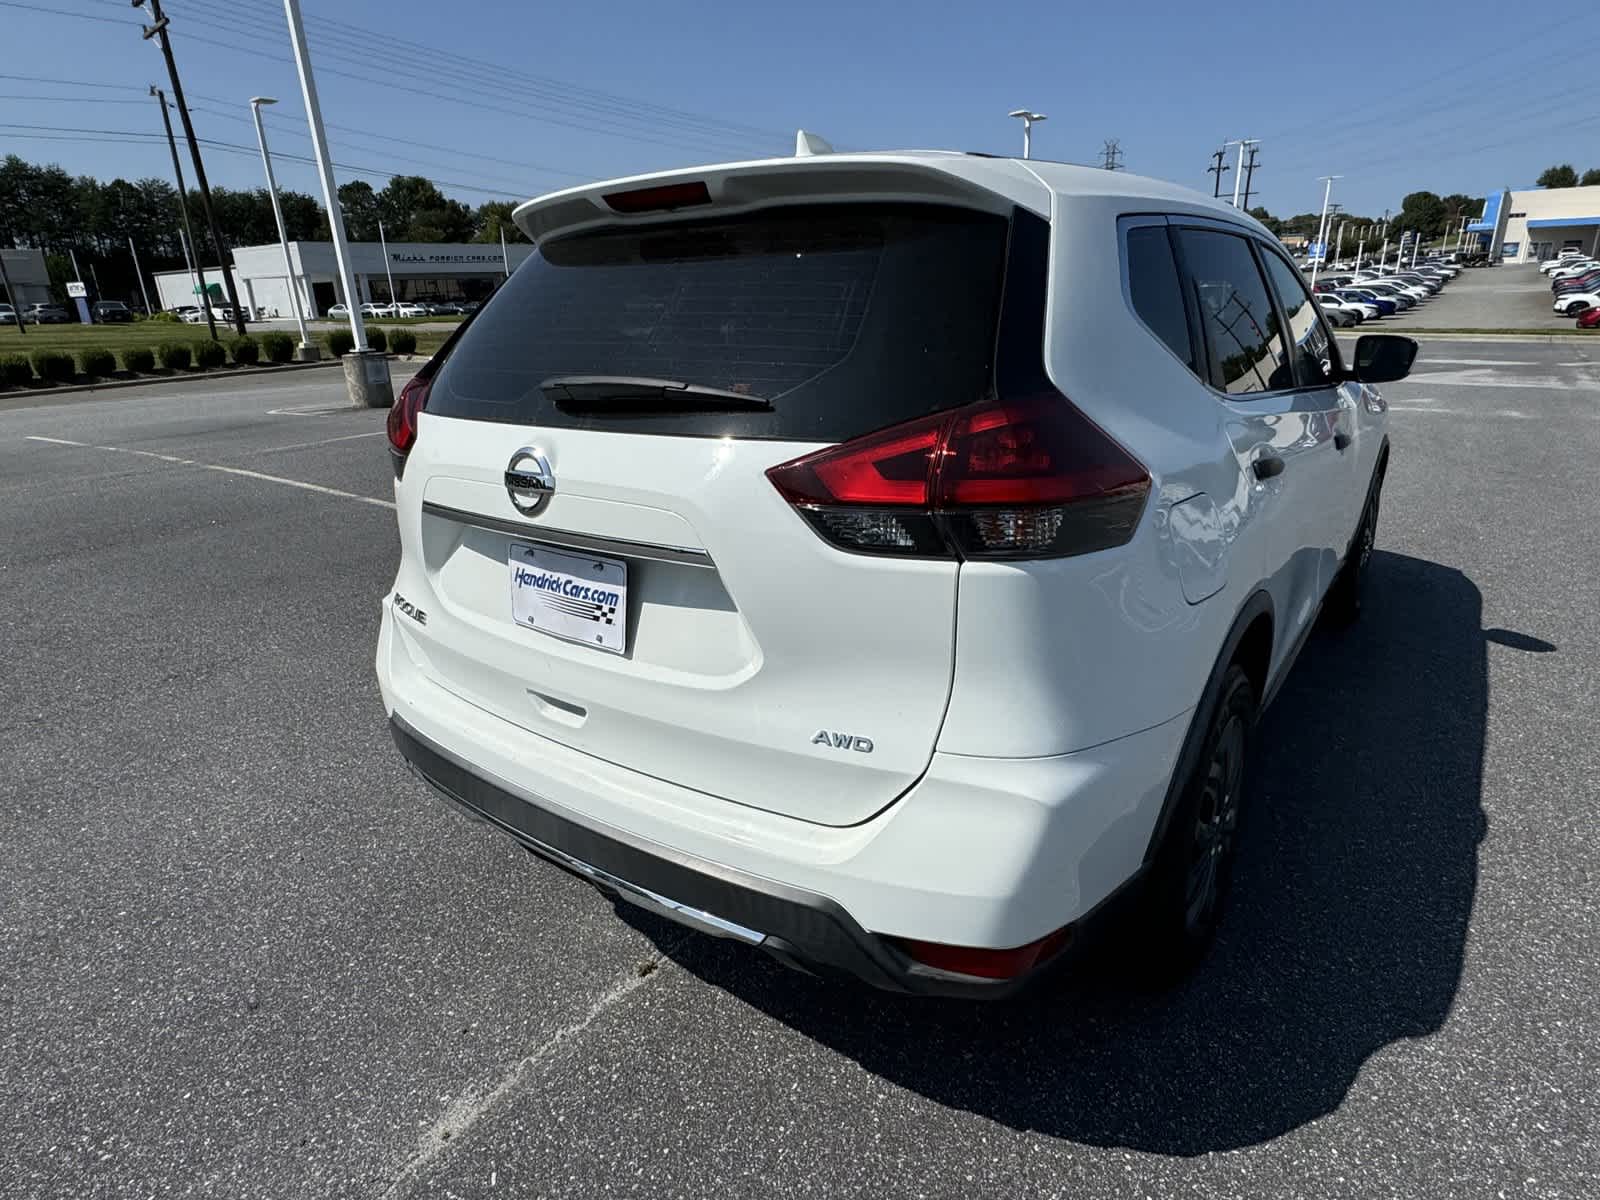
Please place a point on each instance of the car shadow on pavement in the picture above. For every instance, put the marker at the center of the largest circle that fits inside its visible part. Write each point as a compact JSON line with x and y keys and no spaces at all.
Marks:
{"x":1346,"y":930}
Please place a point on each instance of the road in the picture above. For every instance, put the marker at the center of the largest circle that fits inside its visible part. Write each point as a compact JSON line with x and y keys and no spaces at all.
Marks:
{"x":244,"y":954}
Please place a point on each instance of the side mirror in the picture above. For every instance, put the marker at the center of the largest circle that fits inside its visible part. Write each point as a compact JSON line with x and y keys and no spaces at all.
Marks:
{"x":1383,"y":357}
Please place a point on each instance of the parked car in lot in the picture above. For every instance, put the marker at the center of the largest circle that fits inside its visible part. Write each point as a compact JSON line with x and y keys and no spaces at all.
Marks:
{"x":1336,"y":314}
{"x":340,"y":310}
{"x":1387,"y":291}
{"x":110,"y":312}
{"x":757,"y":621}
{"x":377,"y":310}
{"x":1572,"y":303}
{"x":1589,"y":318}
{"x":407,"y":308}
{"x":8,"y":315}
{"x":1375,"y":305}
{"x":46,"y":314}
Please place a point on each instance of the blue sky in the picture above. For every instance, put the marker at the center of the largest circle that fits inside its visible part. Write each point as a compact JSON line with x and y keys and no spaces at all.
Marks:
{"x":512,"y":99}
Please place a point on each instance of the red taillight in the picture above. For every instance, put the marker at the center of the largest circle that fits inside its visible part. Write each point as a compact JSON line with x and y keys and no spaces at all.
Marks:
{"x":987,"y":964}
{"x":1025,"y":478}
{"x":413,"y":398}
{"x":662,"y":198}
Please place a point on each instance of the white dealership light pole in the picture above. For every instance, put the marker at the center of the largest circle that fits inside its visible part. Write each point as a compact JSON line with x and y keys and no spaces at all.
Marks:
{"x":1027,"y":116}
{"x":366,"y":373}
{"x":505,"y":255}
{"x":1322,"y":229}
{"x":306,"y":352}
{"x":133,"y":250}
{"x":388,"y":271}
{"x":1238,"y":171}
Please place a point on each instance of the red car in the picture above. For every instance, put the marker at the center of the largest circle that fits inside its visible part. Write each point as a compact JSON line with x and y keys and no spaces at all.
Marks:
{"x":1589,"y":319}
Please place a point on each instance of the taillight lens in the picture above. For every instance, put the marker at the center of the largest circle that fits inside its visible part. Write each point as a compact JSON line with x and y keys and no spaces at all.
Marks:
{"x":413,"y":398}
{"x":1024,"y":478}
{"x":987,"y":964}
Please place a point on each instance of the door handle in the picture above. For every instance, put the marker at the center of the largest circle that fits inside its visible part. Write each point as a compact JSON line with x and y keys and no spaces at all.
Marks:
{"x":1341,"y":442}
{"x":1267,"y":466}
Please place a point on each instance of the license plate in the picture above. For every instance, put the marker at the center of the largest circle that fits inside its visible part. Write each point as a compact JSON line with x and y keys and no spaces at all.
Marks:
{"x":572,"y":596}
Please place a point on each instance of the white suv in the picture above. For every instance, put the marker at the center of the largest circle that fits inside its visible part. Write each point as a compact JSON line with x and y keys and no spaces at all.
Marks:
{"x":881,"y":559}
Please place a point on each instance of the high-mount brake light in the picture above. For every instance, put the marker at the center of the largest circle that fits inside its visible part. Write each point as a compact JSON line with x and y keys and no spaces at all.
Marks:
{"x":1030,"y":477}
{"x":662,"y":198}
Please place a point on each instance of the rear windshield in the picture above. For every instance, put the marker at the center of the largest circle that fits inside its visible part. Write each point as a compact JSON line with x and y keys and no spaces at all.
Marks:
{"x":845,"y":318}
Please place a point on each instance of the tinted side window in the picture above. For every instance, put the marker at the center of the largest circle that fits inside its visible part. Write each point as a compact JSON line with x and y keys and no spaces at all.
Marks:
{"x":1307,"y":334}
{"x":1241,"y":325}
{"x":1157,"y":295}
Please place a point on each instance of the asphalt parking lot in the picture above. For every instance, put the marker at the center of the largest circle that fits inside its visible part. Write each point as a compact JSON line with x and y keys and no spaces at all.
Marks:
{"x":1504,"y":297}
{"x":244,"y":954}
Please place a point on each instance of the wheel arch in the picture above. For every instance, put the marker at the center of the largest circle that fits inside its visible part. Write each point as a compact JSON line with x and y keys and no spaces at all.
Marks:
{"x":1249,"y":643}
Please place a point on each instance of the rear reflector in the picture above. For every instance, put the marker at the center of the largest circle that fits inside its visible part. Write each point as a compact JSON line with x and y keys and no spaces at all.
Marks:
{"x":659,"y":199}
{"x":1025,"y":478}
{"x":987,"y":964}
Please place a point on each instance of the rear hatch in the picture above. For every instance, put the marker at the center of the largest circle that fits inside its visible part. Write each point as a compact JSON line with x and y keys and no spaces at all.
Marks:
{"x":680,"y":618}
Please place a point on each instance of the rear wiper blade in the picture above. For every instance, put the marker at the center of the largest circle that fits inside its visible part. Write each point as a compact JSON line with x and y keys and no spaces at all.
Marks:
{"x":644,"y":394}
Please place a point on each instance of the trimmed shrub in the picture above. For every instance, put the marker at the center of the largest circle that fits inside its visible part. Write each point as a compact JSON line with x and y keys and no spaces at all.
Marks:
{"x":165,"y":318}
{"x":174,"y":356}
{"x":377,"y":339}
{"x":277,"y":346}
{"x":208,"y":355}
{"x":15,"y":371}
{"x":403,"y":341}
{"x":340,"y":342}
{"x":97,"y":362}
{"x":54,"y":366}
{"x":138,"y":358}
{"x":244,"y":350}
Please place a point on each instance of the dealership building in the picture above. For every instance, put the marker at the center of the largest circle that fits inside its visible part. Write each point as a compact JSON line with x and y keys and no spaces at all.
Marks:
{"x":1533,"y":224}
{"x":420,"y":270}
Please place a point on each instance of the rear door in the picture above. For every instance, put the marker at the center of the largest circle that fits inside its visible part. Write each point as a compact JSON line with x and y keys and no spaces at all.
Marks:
{"x":1282,"y":431}
{"x":652,"y":374}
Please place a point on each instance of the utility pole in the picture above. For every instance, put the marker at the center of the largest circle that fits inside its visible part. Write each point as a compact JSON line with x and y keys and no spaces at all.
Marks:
{"x":16,"y":309}
{"x":1113,"y":152}
{"x":159,"y":31}
{"x":366,"y":373}
{"x":1218,"y":169}
{"x":183,"y":210}
{"x":1249,"y":174}
{"x":138,"y":272}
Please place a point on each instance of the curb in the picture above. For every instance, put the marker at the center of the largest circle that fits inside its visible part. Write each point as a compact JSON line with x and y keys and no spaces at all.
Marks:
{"x":8,"y":398}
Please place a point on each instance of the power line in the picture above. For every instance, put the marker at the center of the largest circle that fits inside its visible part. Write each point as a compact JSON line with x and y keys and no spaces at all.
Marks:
{"x":1113,"y":154}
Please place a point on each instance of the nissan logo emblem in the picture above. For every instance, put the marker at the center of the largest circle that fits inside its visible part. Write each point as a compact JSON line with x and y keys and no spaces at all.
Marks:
{"x":529,"y":481}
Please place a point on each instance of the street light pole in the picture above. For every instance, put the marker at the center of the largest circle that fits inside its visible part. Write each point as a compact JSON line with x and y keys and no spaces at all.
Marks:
{"x":306,"y":351}
{"x":183,"y":211}
{"x":139,"y":272}
{"x":1239,"y":170}
{"x":388,"y":271}
{"x":1027,"y":117}
{"x":505,"y":255}
{"x":159,"y":32}
{"x":366,"y":373}
{"x":1322,"y":228}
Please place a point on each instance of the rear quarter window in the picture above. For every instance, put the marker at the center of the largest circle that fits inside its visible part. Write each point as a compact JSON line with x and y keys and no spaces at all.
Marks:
{"x":846,"y":318}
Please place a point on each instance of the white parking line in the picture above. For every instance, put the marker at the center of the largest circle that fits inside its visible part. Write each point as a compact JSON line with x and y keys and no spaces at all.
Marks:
{"x":1511,"y":413}
{"x":349,"y":437}
{"x":241,"y":471}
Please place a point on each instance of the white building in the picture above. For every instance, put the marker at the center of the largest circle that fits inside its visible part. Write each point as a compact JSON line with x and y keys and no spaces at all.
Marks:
{"x":421,"y":271}
{"x":1533,"y":224}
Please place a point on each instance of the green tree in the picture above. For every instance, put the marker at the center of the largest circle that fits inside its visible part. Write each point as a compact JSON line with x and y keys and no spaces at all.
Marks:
{"x":1422,"y":212}
{"x":494,"y":216}
{"x":414,"y":209}
{"x":1274,"y":226}
{"x":359,"y":205}
{"x":1590,"y":177}
{"x":1563,"y":176}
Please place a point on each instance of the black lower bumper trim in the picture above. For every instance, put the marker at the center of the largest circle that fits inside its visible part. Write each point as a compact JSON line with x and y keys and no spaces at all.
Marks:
{"x":801,"y":928}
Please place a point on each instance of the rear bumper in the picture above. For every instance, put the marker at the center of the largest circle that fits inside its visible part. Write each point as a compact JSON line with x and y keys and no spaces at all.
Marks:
{"x":981,"y":852}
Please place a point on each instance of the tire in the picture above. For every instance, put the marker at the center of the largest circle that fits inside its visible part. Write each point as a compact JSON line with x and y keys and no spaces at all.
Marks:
{"x":1193,"y":866}
{"x":1342,"y":605}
